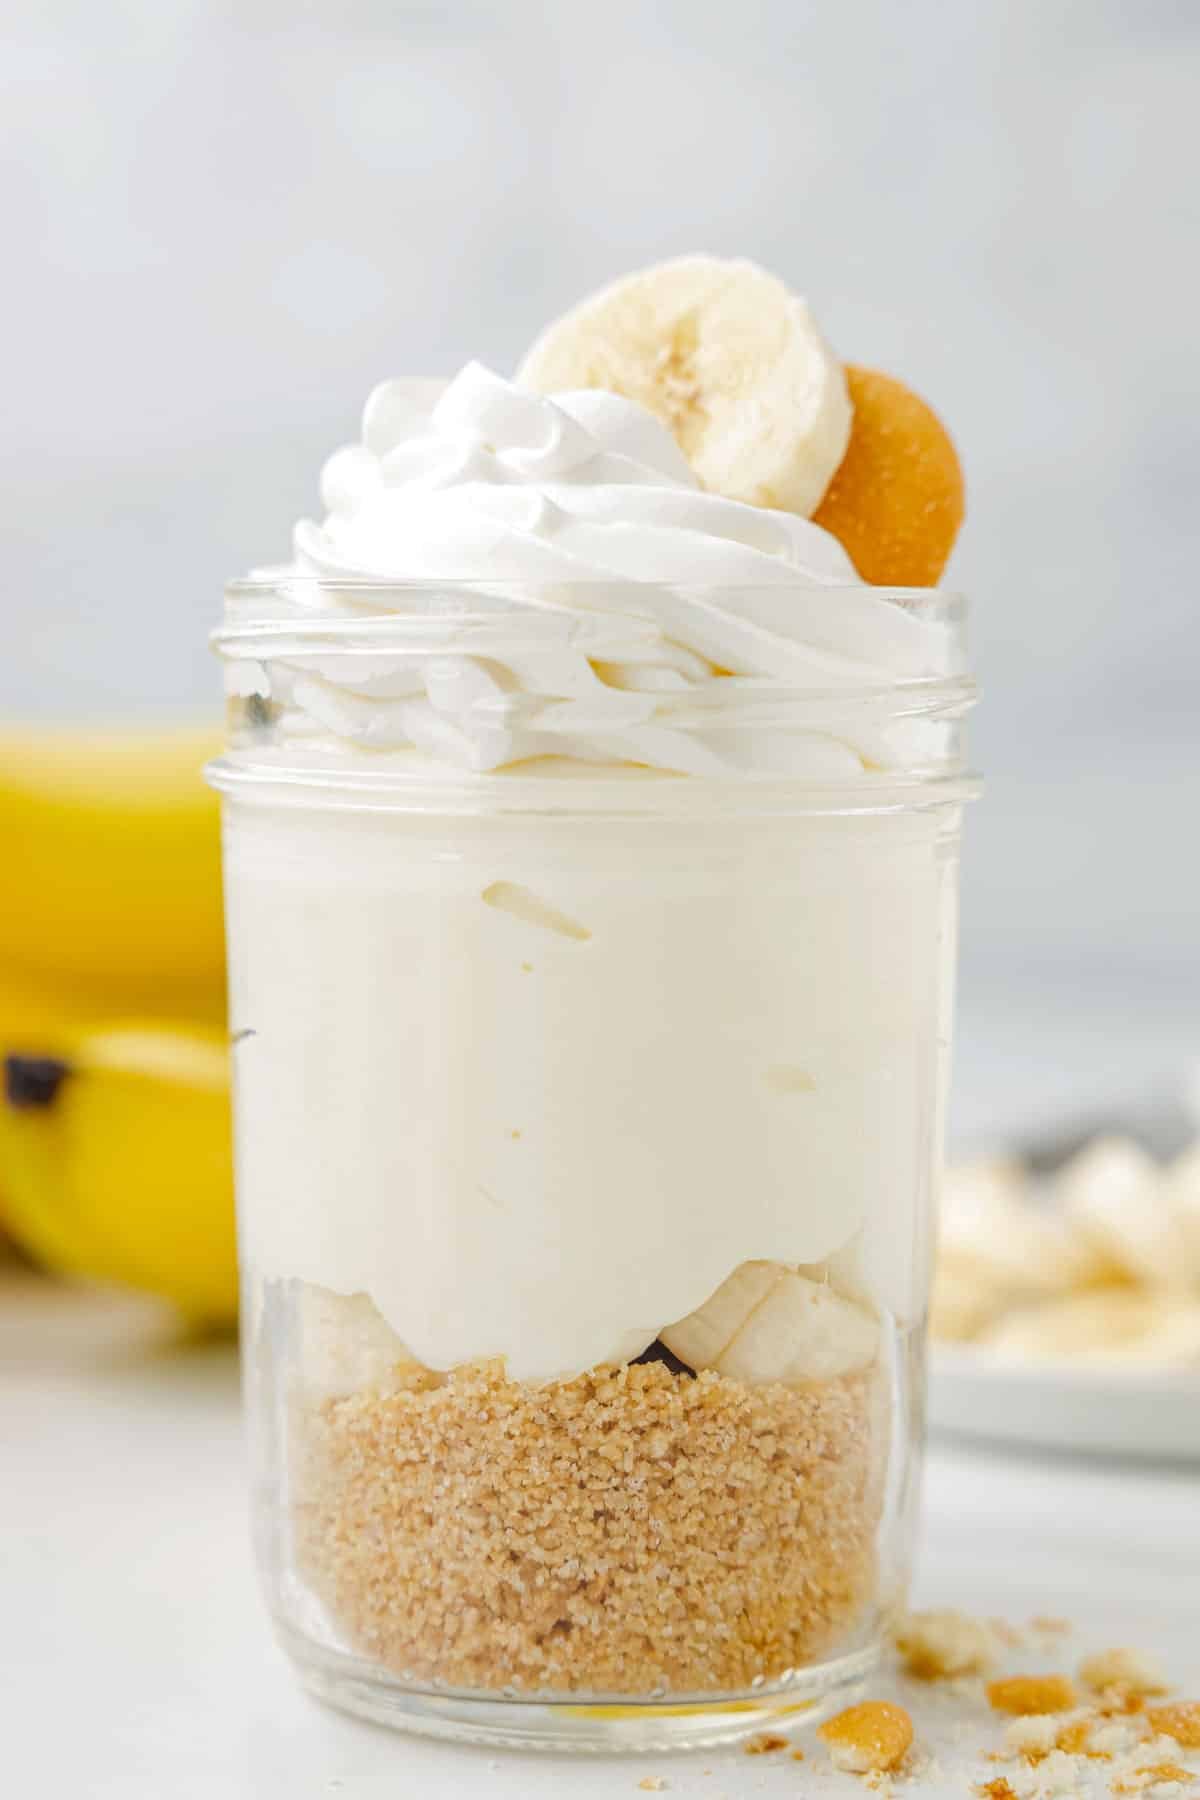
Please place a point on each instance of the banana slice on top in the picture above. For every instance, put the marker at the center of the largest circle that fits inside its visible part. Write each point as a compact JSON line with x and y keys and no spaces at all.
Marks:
{"x":728,"y":358}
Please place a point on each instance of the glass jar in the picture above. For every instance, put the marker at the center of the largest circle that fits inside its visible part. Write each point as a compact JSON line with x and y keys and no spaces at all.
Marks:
{"x":588,"y":1124}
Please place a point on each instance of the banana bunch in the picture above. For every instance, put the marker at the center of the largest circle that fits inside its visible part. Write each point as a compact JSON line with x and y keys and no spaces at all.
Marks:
{"x":114,"y":1137}
{"x":112,"y":896}
{"x":117,"y":1162}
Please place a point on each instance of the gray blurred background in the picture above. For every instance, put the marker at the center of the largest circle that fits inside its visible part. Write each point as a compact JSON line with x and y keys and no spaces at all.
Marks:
{"x":227,"y":219}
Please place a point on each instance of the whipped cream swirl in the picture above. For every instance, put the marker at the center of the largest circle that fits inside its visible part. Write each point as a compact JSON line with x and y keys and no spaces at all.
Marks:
{"x":567,"y":589}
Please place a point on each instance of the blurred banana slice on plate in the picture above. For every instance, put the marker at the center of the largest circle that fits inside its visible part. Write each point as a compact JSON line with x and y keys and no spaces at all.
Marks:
{"x":1066,"y":1314}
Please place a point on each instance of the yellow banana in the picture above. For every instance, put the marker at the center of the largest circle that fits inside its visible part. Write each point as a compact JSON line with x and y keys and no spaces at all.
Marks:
{"x":111,"y":898}
{"x":116,"y":1162}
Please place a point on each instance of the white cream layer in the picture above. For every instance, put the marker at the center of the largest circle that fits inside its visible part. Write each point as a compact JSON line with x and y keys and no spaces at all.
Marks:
{"x":539,"y":1091}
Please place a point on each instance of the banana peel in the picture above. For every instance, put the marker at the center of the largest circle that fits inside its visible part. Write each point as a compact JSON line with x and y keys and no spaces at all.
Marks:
{"x":116,"y":1162}
{"x":111,"y":901}
{"x":42,"y":1013}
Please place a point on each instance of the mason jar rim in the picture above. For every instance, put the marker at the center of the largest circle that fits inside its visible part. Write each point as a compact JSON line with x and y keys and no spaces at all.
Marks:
{"x":295,"y":622}
{"x":648,"y":796}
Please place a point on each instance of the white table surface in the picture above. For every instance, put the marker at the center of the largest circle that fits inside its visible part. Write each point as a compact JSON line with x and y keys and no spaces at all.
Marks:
{"x":137,"y":1663}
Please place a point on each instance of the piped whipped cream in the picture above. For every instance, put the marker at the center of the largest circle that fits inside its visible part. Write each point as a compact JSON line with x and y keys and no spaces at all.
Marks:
{"x":558,"y":584}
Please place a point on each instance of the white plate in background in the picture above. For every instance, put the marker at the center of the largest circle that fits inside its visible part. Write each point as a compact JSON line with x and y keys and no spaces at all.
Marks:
{"x":1065,"y":1406}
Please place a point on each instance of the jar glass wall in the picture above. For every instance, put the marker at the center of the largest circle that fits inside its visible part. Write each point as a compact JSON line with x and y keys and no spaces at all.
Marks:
{"x":588,"y":1125}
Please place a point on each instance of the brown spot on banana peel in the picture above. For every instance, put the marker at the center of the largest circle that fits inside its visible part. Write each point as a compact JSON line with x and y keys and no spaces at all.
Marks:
{"x":33,"y":1081}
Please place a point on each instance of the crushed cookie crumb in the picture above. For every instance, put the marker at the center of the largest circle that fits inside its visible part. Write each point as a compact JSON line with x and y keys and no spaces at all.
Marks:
{"x":652,"y":1784}
{"x":1079,"y":1738}
{"x":1123,"y":1672}
{"x":1111,"y":1737}
{"x":797,"y":1756}
{"x":1180,"y":1721}
{"x":1033,"y":1735}
{"x":1032,"y":1694}
{"x":996,"y":1789}
{"x":1152,"y":1776}
{"x":1073,"y":1738}
{"x":936,"y":1646}
{"x":1119,"y":1702}
{"x":629,"y":1529}
{"x":869,"y":1738}
{"x":1056,"y":1774}
{"x":764,"y":1744}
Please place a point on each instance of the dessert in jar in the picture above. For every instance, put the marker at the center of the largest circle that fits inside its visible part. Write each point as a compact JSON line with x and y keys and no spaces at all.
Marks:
{"x":591,"y":814}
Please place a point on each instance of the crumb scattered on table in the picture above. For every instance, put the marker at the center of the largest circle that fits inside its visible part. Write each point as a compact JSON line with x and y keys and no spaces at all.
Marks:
{"x":1032,"y":1694}
{"x":1034,"y":1734}
{"x":1112,"y":1736}
{"x":1151,"y":1777}
{"x":1122,"y":1671}
{"x":1180,"y":1721}
{"x":870,"y":1738}
{"x":935,"y":1646}
{"x":1078,"y":1738}
{"x":764,"y":1744}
